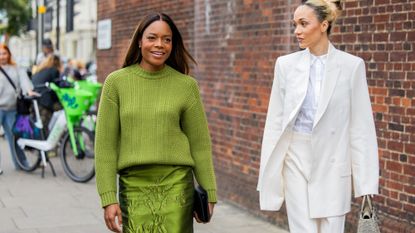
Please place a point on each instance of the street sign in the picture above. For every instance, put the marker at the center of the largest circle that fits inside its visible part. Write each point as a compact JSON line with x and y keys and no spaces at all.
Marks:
{"x":104,"y":34}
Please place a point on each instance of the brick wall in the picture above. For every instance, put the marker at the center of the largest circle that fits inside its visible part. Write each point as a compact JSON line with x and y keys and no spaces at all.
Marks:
{"x":236,"y":42}
{"x":382,"y":33}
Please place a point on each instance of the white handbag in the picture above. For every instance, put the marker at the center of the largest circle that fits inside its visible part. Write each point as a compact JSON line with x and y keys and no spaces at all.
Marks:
{"x":368,"y":222}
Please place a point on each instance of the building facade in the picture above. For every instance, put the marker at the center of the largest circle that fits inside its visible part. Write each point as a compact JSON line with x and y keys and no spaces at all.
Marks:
{"x":77,"y":44}
{"x":236,"y":43}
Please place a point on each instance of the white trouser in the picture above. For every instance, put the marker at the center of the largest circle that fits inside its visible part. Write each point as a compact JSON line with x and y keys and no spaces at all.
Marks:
{"x":296,"y":173}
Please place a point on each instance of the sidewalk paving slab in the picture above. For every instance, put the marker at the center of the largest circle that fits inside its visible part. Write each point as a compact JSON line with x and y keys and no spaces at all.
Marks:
{"x":30,"y":204}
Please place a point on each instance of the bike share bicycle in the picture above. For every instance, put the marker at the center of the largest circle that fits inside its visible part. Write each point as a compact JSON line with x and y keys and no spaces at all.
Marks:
{"x":75,"y":142}
{"x":29,"y":159}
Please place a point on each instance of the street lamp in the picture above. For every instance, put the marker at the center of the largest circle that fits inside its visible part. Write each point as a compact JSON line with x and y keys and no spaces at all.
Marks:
{"x":41,"y":10}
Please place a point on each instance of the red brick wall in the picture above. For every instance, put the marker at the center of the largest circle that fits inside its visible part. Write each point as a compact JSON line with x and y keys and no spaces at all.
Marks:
{"x":236,"y":47}
{"x":382,"y":32}
{"x":236,"y":42}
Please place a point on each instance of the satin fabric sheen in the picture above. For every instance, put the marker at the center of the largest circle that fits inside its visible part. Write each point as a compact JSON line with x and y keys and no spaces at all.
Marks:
{"x":157,"y":199}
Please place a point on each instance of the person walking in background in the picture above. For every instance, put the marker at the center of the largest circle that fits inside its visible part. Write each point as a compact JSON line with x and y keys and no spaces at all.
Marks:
{"x":48,"y":71}
{"x":152,"y":131}
{"x":319,"y":131}
{"x":47,"y":49}
{"x":73,"y":69}
{"x":8,"y":94}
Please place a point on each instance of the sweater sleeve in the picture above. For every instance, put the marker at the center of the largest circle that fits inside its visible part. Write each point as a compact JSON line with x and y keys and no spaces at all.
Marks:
{"x":24,"y":81}
{"x":195,"y":127}
{"x":106,"y":144}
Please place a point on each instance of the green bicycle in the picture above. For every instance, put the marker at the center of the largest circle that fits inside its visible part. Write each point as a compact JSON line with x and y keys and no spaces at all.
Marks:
{"x":76,"y":142}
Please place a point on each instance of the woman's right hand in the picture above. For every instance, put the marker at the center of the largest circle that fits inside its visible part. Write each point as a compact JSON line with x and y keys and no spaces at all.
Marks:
{"x":112,"y":216}
{"x":33,"y":93}
{"x":211,"y":207}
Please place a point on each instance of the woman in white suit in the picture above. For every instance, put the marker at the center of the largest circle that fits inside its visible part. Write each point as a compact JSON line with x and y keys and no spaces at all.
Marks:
{"x":319,"y":132}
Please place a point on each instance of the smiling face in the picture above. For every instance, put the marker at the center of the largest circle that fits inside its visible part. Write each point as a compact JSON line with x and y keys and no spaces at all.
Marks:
{"x":156,"y":45}
{"x":310,"y":32}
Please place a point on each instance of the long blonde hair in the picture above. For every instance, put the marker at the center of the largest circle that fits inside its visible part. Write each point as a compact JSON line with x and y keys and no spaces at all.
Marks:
{"x":325,"y":10}
{"x":51,"y":60}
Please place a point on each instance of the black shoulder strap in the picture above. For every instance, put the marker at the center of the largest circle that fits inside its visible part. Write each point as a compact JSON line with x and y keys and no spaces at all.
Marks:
{"x":8,"y":78}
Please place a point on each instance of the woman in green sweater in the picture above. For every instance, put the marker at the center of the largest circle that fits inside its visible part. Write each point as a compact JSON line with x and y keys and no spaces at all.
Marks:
{"x":152,"y":131}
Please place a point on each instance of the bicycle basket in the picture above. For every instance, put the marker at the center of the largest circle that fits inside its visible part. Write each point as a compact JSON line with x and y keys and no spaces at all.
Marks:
{"x":93,"y":87}
{"x":74,"y":102}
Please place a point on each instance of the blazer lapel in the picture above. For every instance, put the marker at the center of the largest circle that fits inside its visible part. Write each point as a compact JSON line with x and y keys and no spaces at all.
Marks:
{"x":297,"y":86}
{"x":329,"y":83}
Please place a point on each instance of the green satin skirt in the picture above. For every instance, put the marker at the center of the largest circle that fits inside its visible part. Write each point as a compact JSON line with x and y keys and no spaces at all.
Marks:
{"x":156,"y":199}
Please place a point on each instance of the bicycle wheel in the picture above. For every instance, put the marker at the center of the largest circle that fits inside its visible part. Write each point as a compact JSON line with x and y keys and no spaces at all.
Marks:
{"x":28,"y":158}
{"x":79,"y":168}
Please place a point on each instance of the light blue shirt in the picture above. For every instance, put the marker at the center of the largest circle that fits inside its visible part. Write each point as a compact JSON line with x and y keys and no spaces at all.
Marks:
{"x":305,"y":118}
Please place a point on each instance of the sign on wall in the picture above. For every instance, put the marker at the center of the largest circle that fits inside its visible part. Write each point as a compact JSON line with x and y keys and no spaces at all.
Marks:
{"x":104,"y":34}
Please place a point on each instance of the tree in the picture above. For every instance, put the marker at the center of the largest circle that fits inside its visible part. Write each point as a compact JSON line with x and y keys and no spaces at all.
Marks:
{"x":18,"y":14}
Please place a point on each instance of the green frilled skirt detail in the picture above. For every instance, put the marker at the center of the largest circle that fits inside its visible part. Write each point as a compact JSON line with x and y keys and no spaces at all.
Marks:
{"x":157,"y":199}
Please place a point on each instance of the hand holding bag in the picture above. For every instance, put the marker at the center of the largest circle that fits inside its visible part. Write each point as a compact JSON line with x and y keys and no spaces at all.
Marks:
{"x":367,"y":217}
{"x":200,"y":204}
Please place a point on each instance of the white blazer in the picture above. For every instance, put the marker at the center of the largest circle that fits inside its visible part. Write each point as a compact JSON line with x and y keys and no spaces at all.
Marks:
{"x":343,"y":140}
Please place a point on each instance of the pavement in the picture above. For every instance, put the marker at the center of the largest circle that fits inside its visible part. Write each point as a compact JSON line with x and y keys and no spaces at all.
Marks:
{"x":30,"y":204}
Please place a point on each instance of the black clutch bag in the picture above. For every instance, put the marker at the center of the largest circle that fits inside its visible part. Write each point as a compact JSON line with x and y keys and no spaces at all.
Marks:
{"x":200,"y":204}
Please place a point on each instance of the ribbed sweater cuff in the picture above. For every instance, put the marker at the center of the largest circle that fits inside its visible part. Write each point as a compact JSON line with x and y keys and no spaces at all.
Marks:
{"x":108,"y":198}
{"x":212,"y":195}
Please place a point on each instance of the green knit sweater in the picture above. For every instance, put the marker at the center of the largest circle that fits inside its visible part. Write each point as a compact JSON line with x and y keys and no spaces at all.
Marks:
{"x":151,"y":118}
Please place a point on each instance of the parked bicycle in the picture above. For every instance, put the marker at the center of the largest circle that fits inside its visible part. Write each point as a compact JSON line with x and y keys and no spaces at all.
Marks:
{"x":29,"y":158}
{"x":75,"y":142}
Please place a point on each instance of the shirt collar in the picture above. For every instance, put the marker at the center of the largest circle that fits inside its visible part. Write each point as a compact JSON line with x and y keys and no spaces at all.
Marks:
{"x":322,"y":58}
